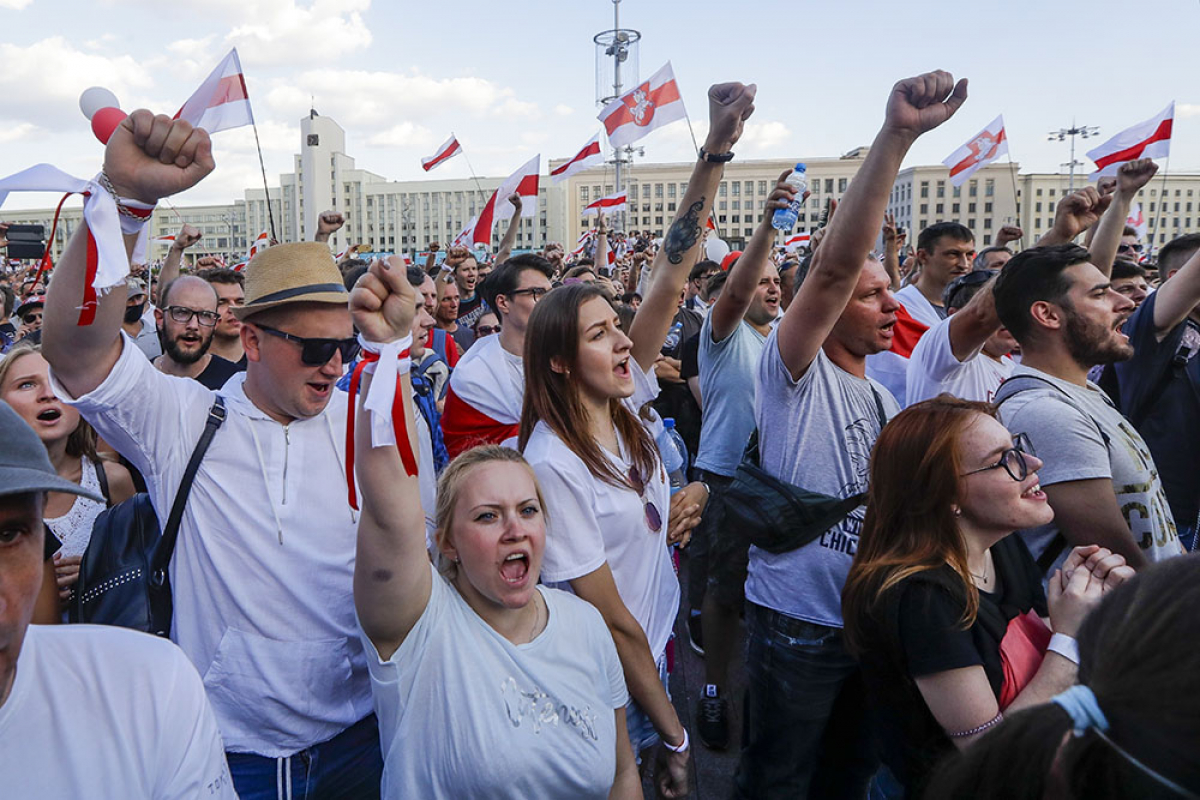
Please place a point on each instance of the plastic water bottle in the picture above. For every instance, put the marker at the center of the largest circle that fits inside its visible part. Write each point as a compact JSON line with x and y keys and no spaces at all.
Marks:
{"x":672,"y":340}
{"x":785,"y":218}
{"x":674,"y":455}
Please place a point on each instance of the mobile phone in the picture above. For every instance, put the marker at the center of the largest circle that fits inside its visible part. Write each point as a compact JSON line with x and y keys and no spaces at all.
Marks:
{"x":26,"y":241}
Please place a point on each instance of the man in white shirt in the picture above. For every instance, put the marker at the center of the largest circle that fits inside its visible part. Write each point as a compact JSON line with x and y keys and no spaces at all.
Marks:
{"x":965,"y":355}
{"x":87,"y":710}
{"x":262,"y":574}
{"x":487,"y":387}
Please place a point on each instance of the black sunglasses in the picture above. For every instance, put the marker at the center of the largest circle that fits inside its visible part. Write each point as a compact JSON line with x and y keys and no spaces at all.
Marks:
{"x":487,"y":330}
{"x":1012,"y":459}
{"x":975,"y":278}
{"x":317,"y":352}
{"x":1136,"y":248}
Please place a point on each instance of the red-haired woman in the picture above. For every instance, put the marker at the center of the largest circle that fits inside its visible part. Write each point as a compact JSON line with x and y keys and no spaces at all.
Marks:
{"x":943,"y":606}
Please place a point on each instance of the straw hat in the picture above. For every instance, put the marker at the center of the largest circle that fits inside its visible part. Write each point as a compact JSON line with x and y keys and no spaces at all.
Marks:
{"x":302,"y":272}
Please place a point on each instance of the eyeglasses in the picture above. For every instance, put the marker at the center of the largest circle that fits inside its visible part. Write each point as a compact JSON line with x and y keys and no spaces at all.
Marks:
{"x":487,"y":330}
{"x":652,"y":514}
{"x":1126,"y":247}
{"x":536,"y":292}
{"x":975,"y":278}
{"x":1013,"y":459}
{"x":29,"y":319}
{"x":184,"y":315}
{"x":317,"y":352}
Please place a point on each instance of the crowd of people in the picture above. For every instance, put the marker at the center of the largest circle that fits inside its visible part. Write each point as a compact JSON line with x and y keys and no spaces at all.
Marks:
{"x":430,"y":540}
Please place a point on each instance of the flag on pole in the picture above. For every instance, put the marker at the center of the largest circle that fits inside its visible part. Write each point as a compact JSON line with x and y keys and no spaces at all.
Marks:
{"x":797,"y":240}
{"x":982,"y":149}
{"x":589,"y":156}
{"x":614,"y":202}
{"x":652,"y":104}
{"x":1137,"y":220}
{"x":449,"y":149}
{"x":260,"y":242}
{"x":523,"y":182}
{"x":1149,"y":139}
{"x":585,"y":237}
{"x":169,"y":239}
{"x":464,"y":237}
{"x":222,"y":101}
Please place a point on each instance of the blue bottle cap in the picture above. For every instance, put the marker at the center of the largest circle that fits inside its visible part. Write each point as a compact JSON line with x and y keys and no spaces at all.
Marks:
{"x":801,"y":168}
{"x":668,"y":422}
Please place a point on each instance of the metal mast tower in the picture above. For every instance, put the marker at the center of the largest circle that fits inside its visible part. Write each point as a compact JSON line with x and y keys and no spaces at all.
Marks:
{"x":621,"y":45}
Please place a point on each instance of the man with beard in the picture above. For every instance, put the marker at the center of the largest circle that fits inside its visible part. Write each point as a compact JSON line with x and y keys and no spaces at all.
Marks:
{"x":1099,"y":475}
{"x":186,"y":323}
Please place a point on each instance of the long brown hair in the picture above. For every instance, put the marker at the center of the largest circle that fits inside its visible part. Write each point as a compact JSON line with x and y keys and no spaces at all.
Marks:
{"x":553,"y":333}
{"x":910,"y":525}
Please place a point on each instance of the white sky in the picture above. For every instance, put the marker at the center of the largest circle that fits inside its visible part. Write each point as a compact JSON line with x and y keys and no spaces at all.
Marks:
{"x":516,"y":78}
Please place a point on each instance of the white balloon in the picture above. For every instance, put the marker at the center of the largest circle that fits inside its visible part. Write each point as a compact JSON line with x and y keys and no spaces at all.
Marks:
{"x":96,"y":98}
{"x":716,"y":250}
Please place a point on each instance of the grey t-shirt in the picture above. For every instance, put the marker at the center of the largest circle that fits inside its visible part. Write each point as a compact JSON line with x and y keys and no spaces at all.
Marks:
{"x":1069,"y":442}
{"x":727,"y":372}
{"x":816,"y":432}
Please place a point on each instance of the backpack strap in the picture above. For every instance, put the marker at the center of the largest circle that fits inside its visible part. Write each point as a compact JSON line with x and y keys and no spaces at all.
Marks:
{"x":166,"y":545}
{"x":102,"y":479}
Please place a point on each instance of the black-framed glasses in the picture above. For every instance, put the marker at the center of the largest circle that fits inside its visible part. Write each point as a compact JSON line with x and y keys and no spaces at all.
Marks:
{"x":1012,"y":460}
{"x":1126,"y":247}
{"x":487,"y":330}
{"x":536,"y":292}
{"x":29,"y":319}
{"x":652,"y":514}
{"x":184,"y":315}
{"x":317,"y":352}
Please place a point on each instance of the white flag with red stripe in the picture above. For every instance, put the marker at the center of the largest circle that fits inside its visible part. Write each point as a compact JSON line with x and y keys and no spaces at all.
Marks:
{"x":464,"y":237}
{"x":260,"y":242}
{"x":449,"y":149}
{"x":797,"y":240}
{"x":1149,"y":139}
{"x":982,"y":149}
{"x":523,"y":182}
{"x":1137,"y":220}
{"x":649,"y":105}
{"x":222,"y":101}
{"x":589,"y":156}
{"x":168,"y":239}
{"x":614,"y":202}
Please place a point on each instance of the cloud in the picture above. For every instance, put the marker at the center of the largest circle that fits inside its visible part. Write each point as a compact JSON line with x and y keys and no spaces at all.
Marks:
{"x":283,"y":32}
{"x":406,"y":134}
{"x":14,"y":133}
{"x":1188,"y":109}
{"x":563,"y":110}
{"x":766,"y":136}
{"x":14,"y":5}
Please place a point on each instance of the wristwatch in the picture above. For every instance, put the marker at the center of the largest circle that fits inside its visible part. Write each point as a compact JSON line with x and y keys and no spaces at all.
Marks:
{"x":715,"y":158}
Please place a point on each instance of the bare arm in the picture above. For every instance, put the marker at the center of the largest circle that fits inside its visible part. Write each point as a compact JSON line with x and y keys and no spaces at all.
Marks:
{"x":893,"y":240}
{"x":327,"y":224}
{"x":729,"y":105}
{"x":392,"y":579}
{"x":627,"y":784}
{"x":1131,"y":177}
{"x":600,"y":258}
{"x":1086,"y":512}
{"x":186,"y":237}
{"x":120,"y":482}
{"x":510,"y":235}
{"x":735,"y":299}
{"x":916,"y":105}
{"x":431,"y":258}
{"x":1075,"y":213}
{"x":971,"y":325}
{"x":142,"y":159}
{"x":1176,"y":298}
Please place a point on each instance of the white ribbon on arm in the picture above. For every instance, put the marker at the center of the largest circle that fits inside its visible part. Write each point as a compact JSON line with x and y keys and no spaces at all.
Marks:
{"x":382,"y":394}
{"x":99,"y":209}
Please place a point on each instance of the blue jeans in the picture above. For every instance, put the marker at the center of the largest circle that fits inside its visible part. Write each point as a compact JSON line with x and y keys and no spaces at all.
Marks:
{"x":805,"y":730}
{"x":347,"y":767}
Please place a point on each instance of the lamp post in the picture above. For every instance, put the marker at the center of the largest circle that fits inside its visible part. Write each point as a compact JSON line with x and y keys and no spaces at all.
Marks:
{"x":1082,"y":131}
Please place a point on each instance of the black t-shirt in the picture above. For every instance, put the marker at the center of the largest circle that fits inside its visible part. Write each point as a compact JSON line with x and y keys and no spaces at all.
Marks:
{"x":689,"y":355}
{"x":914,"y":630}
{"x":1160,"y":394}
{"x":217,"y":372}
{"x":675,"y":400}
{"x":471,"y":310}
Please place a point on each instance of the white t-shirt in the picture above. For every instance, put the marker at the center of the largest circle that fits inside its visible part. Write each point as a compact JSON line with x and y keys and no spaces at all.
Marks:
{"x":590,"y":522}
{"x":933,"y":369}
{"x":106,"y":712}
{"x":463,"y":712}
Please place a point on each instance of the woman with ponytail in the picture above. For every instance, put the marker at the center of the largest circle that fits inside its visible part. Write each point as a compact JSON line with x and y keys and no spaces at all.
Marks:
{"x":943,"y":606}
{"x":1130,"y":728}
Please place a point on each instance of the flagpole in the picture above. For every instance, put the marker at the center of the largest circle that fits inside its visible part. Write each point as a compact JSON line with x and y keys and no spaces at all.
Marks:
{"x":1012,"y":173}
{"x":262,"y":165}
{"x":1162,"y":193}
{"x":471,"y":169}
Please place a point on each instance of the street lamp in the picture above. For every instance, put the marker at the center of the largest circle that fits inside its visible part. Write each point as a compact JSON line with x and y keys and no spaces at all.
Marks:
{"x":1083,"y":131}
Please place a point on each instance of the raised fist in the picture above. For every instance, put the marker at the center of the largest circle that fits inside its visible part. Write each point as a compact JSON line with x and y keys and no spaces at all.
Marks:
{"x":383,"y":302}
{"x":329,"y":222}
{"x":729,"y":106}
{"x":150,"y":157}
{"x":1009,"y":233}
{"x":918,"y":105}
{"x":515,"y":199}
{"x":1133,"y":175}
{"x":456,"y":255}
{"x":186,"y":237}
{"x":1079,"y":211}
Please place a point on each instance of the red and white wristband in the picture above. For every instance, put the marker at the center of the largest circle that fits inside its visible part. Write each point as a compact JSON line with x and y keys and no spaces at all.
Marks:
{"x":682,"y":747}
{"x":386,"y":361}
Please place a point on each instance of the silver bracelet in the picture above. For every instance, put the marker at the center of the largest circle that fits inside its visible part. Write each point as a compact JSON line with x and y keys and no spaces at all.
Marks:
{"x":996,"y":720}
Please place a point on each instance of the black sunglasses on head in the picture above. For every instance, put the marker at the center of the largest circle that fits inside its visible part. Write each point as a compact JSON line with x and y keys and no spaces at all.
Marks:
{"x":316,"y":352}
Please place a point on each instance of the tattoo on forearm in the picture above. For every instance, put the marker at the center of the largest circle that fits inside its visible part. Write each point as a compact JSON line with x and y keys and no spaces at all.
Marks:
{"x":684,"y":233}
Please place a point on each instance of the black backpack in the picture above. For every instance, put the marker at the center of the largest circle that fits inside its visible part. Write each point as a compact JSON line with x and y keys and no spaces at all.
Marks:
{"x":123,"y":578}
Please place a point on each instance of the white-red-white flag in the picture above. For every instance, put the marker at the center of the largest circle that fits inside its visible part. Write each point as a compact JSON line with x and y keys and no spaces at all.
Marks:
{"x":222,"y":101}
{"x":449,"y":149}
{"x":614,"y":202}
{"x":1149,"y":139}
{"x":523,"y":182}
{"x":464,"y":237}
{"x":982,"y":149}
{"x":796,"y":240}
{"x":1137,"y":220}
{"x":585,"y":236}
{"x":260,"y":242}
{"x":589,"y":156}
{"x":168,"y":239}
{"x":649,"y":105}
